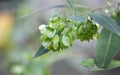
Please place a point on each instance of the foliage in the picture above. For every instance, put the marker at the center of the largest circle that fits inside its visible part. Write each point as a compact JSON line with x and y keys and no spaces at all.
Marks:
{"x":62,"y":31}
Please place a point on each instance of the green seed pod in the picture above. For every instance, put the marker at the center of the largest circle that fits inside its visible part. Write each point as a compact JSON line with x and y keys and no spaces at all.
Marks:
{"x":80,"y":29}
{"x":70,"y":39}
{"x":55,"y":42}
{"x":60,"y":26}
{"x":73,"y":35}
{"x":65,"y":40}
{"x":43,"y":38}
{"x":50,"y":32}
{"x":47,"y":43}
{"x":52,"y":25}
{"x":96,"y":36}
{"x":89,"y":23}
{"x":86,"y":32}
{"x":55,"y":18}
{"x":61,"y":43}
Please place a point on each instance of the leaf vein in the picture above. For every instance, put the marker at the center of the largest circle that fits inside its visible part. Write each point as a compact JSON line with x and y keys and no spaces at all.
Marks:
{"x":107,"y":49}
{"x":110,"y":25}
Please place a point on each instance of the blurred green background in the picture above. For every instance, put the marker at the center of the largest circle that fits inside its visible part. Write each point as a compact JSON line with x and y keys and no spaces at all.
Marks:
{"x":19,"y":40}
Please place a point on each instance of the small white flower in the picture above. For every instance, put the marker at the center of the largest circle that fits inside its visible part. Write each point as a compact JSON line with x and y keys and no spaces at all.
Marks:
{"x":42,"y":28}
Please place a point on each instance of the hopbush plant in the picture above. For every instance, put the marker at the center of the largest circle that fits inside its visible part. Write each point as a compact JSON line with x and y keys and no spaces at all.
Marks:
{"x":62,"y":31}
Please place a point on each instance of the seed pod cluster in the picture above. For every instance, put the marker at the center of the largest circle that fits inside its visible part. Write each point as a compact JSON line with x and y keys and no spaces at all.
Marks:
{"x":61,"y":32}
{"x":58,"y":34}
{"x":87,"y":30}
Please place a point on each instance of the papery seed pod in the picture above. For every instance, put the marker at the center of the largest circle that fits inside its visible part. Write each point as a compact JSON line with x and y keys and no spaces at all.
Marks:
{"x":55,"y":41}
{"x":65,"y":40}
{"x":61,"y":43}
{"x":50,"y":32}
{"x":60,"y":26}
{"x":86,"y":32}
{"x":47,"y":43}
{"x":43,"y":38}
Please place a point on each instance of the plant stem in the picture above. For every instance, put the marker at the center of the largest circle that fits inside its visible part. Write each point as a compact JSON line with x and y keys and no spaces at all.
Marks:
{"x":100,"y":8}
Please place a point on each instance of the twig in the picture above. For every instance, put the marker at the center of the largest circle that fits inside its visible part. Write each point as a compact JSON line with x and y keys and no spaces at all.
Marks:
{"x":100,"y":8}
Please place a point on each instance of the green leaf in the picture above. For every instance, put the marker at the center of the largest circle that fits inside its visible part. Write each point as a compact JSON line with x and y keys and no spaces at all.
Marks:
{"x":41,"y":51}
{"x":90,"y":64}
{"x":77,"y":18}
{"x":81,"y":9}
{"x":107,"y":22}
{"x":70,"y":2}
{"x":56,"y":41}
{"x":106,"y":48}
{"x":114,"y":64}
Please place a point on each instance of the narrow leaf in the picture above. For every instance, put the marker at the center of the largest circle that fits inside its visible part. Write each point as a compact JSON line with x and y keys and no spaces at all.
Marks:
{"x":90,"y":65}
{"x":70,"y":2}
{"x":114,"y":64}
{"x":107,"y":22}
{"x":41,"y":51}
{"x":81,"y":9}
{"x":106,"y":48}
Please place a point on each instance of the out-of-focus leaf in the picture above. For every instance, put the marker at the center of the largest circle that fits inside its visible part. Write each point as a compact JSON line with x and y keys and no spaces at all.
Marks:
{"x":77,"y":18}
{"x":107,"y":22}
{"x":106,"y":48}
{"x":90,"y":64}
{"x":44,"y":9}
{"x":41,"y":51}
{"x":70,"y":2}
{"x":81,"y":9}
{"x":114,"y":64}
